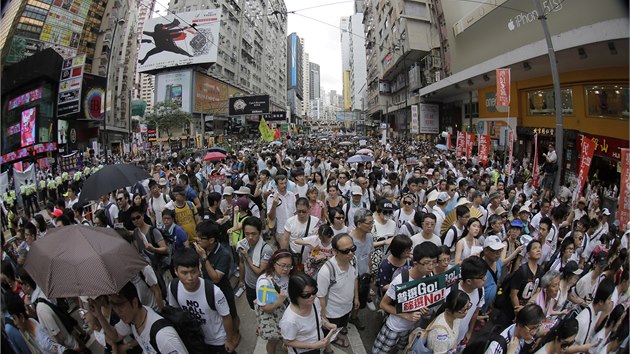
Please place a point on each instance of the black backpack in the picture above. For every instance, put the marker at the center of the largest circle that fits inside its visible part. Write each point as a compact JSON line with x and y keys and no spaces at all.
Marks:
{"x":443,"y":236}
{"x":108,"y":215}
{"x":481,"y":343}
{"x":68,"y":321}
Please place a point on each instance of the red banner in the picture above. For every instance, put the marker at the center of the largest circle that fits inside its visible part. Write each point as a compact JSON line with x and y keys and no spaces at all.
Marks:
{"x":484,"y":149}
{"x":470,"y":142}
{"x":535,"y":169}
{"x":503,"y":87}
{"x":623,"y":210}
{"x":461,"y":145}
{"x":586,"y":156}
{"x":510,"y":151}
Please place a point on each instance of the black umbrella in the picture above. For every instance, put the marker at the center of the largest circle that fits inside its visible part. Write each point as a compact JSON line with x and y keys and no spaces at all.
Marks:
{"x":217,"y":149}
{"x":110,"y":178}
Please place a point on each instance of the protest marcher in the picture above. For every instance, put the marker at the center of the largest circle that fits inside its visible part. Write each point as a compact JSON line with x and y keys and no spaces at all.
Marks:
{"x":254,"y":255}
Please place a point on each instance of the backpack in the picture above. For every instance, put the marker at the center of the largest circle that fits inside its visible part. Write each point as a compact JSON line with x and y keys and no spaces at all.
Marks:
{"x":333,"y":272}
{"x":482,"y":342}
{"x":68,"y":321}
{"x":443,"y":236}
{"x":186,"y":326}
{"x":502,"y":300}
{"x":108,"y":215}
{"x":209,"y":286}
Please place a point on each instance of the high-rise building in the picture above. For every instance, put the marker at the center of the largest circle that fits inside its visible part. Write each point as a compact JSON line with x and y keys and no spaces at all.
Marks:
{"x":344,"y":25}
{"x":147,"y":91}
{"x":145,"y":10}
{"x":295,"y":86}
{"x":314,"y":75}
{"x":357,"y":62}
{"x":306,"y":83}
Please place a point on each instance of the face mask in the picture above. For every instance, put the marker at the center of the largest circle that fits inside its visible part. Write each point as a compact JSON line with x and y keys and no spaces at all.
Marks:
{"x":388,"y":217}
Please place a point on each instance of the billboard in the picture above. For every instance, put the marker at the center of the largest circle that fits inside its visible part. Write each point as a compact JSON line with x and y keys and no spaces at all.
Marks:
{"x":70,"y":86}
{"x":429,"y":118}
{"x":93,"y":96}
{"x":249,"y":105}
{"x":175,"y":86}
{"x":170,"y":40}
{"x":27,"y":131}
{"x":23,"y":99}
{"x":210,"y":95}
{"x":277,"y":116}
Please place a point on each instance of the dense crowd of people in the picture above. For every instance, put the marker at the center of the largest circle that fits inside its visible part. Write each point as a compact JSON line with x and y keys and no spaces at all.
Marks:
{"x":312,"y":241}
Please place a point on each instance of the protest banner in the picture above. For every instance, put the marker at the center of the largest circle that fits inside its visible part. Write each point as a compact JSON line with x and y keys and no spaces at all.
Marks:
{"x":425,"y":292}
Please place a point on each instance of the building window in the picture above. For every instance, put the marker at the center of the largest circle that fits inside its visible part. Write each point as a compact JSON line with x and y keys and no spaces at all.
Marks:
{"x":471,"y":108}
{"x":607,"y":101}
{"x":542,"y":103}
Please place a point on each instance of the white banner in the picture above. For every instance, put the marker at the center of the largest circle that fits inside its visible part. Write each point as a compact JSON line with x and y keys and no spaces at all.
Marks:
{"x":4,"y":182}
{"x":414,"y":119}
{"x":429,"y":119}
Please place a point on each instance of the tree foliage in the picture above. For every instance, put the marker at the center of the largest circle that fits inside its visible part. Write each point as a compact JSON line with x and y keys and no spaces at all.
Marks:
{"x":168,"y":115}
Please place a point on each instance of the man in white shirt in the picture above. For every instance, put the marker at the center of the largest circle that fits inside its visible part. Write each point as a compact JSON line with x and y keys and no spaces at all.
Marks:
{"x":602,"y":305}
{"x":338,"y":285}
{"x":139,"y":321}
{"x":280,"y":205}
{"x":157,"y":203}
{"x":427,"y":234}
{"x":527,"y":326}
{"x":438,"y":210}
{"x":203,"y":300}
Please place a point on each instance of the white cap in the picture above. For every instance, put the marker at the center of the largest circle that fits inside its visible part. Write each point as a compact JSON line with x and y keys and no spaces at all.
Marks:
{"x":228,"y":191}
{"x":493,"y":242}
{"x":356,"y":190}
{"x":464,"y":201}
{"x":432,"y":196}
{"x":524,"y":208}
{"x":605,"y":211}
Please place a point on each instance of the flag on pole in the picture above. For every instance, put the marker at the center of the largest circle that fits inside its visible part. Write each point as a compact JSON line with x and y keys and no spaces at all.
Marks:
{"x":460,"y":149}
{"x":510,"y":151}
{"x":503,"y":87}
{"x":586,"y":156}
{"x":265,"y":132}
{"x":470,"y":142}
{"x":484,"y":149}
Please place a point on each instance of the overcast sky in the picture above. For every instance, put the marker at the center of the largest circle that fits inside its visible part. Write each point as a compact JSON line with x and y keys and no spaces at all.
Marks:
{"x":323,"y":42}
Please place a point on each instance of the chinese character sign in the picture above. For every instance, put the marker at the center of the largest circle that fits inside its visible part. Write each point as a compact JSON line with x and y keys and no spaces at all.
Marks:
{"x":510,"y":151}
{"x":414,"y":119}
{"x":503,"y":87}
{"x":425,"y":292}
{"x":586,"y":156}
{"x":535,"y":169}
{"x":484,"y":148}
{"x":623,"y":211}
{"x":461,"y":145}
{"x":470,"y":142}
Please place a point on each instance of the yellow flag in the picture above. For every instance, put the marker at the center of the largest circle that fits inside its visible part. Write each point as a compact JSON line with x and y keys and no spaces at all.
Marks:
{"x":265,"y":131}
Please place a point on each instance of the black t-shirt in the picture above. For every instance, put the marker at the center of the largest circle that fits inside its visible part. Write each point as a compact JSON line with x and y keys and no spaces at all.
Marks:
{"x":223,"y":235}
{"x":526,"y":282}
{"x":124,"y":217}
{"x":221,"y":261}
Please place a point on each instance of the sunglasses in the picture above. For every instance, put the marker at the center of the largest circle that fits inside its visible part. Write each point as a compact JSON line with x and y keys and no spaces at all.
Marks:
{"x":136,"y":218}
{"x":348,"y":250}
{"x":406,"y":202}
{"x":119,"y":199}
{"x":308,"y":295}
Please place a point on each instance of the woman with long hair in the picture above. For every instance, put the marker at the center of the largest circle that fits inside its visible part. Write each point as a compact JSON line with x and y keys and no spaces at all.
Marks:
{"x":567,"y":248}
{"x":469,"y":239}
{"x":333,"y":198}
{"x":271,"y":297}
{"x":560,"y":337}
{"x":302,"y":324}
{"x":400,"y":252}
{"x":383,"y":231}
{"x":319,"y":183}
{"x":568,"y":278}
{"x":443,"y":331}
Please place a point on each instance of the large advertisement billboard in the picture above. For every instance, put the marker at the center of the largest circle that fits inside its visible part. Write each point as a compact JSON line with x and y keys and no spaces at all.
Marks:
{"x":176,"y":87}
{"x":169,"y":41}
{"x":245,"y":105}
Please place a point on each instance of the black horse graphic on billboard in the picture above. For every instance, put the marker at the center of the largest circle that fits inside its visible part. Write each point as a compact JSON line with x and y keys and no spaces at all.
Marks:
{"x":164,"y":36}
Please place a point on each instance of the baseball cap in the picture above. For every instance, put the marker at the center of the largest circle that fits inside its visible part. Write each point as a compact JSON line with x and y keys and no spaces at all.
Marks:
{"x":162,"y":181}
{"x":464,"y":201}
{"x":524,"y":208}
{"x":582,"y":200}
{"x":385,"y":205}
{"x":605,"y":211}
{"x":433,"y":196}
{"x":228,"y":191}
{"x":516,"y":223}
{"x":356,"y":190}
{"x":242,"y":203}
{"x":443,"y":197}
{"x":493,"y":242}
{"x":57,"y":213}
{"x":572,"y":268}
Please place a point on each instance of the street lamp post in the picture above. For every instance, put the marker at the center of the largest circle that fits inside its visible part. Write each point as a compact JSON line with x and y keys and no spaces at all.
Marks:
{"x":109,"y":60}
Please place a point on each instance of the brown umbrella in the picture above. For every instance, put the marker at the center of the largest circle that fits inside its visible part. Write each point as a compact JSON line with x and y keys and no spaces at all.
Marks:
{"x":82,"y":260}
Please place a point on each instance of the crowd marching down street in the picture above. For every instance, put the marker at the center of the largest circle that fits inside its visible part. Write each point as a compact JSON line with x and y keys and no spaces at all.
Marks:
{"x":150,"y":254}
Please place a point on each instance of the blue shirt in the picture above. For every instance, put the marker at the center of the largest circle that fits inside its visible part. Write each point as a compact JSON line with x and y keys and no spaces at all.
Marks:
{"x":191,"y":195}
{"x":179,"y":236}
{"x":490,"y":289}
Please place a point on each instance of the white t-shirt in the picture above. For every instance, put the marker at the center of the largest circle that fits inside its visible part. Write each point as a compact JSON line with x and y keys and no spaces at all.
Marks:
{"x":418,"y":239}
{"x":308,"y":250}
{"x":284,"y":210}
{"x":586,"y":287}
{"x":301,"y":328}
{"x":477,"y":304}
{"x":197,"y":305}
{"x":442,"y":338}
{"x":301,"y":191}
{"x":167,"y":339}
{"x":158,"y":205}
{"x":341,"y":294}
{"x":343,"y":230}
{"x":508,"y":333}
{"x":586,"y":324}
{"x":297,"y":230}
{"x":404,"y":230}
{"x":394,"y":322}
{"x":439,"y":219}
{"x":401,"y":217}
{"x":146,"y":296}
